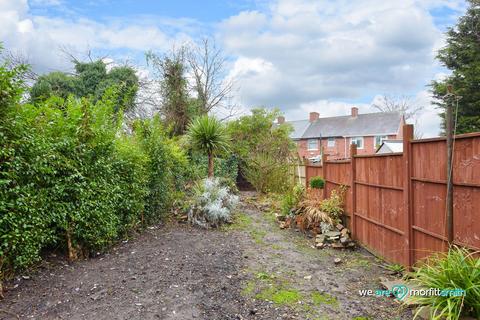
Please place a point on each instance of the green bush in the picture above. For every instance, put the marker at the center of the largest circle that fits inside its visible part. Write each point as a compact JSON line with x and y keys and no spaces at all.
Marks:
{"x":317,"y":183}
{"x":226,"y":166}
{"x":263,"y":150}
{"x":70,"y":178}
{"x":292,"y":199}
{"x":457,"y":269}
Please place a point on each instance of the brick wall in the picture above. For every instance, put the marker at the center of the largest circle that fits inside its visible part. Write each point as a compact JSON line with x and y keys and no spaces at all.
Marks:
{"x":340,"y":150}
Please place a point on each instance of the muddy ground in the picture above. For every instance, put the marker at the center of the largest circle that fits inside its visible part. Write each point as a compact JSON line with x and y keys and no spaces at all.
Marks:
{"x":248,"y":270}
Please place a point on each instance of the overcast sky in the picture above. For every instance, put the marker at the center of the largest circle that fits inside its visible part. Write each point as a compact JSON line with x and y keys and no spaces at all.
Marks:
{"x":297,"y":55}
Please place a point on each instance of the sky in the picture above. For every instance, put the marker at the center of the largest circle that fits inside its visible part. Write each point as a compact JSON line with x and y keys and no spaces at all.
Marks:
{"x":296,"y":55}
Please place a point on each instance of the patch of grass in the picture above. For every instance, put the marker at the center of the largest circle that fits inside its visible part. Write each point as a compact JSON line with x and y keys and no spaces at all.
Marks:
{"x":264,"y":276}
{"x":358,"y":262}
{"x":361,"y":318}
{"x":258,"y":235}
{"x":396,"y":268}
{"x":319,"y":298}
{"x":276,"y":247}
{"x":241,"y":221}
{"x":249,"y":288}
{"x":280,"y":296}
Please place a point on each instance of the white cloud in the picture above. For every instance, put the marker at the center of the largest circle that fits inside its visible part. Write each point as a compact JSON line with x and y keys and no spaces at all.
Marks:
{"x":40,"y":38}
{"x":305,"y":55}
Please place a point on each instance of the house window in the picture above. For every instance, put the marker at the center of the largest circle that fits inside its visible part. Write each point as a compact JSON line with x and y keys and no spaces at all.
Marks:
{"x":331,"y":142}
{"x":379,"y":140}
{"x":358,"y":141}
{"x":312,"y":144}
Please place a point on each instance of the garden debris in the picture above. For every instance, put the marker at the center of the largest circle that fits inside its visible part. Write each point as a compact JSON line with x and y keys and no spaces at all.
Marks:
{"x":337,"y":260}
{"x":320,"y":238}
{"x":333,"y":235}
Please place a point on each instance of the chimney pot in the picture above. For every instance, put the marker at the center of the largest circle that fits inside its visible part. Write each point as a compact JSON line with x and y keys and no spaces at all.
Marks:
{"x":314,"y":116}
{"x":281,"y":119}
{"x":354,"y":111}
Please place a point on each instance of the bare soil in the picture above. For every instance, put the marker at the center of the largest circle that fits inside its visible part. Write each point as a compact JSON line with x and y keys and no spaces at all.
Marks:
{"x":249,"y":270}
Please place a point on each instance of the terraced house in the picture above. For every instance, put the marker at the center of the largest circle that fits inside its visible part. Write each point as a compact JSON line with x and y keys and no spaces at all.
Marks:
{"x":335,"y":134}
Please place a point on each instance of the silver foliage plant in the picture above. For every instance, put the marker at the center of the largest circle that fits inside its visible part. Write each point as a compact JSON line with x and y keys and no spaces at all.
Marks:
{"x":213,"y":203}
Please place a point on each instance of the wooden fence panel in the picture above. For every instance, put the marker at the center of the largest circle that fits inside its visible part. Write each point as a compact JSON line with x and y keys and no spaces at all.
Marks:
{"x":400,"y":199}
{"x":380,"y":210}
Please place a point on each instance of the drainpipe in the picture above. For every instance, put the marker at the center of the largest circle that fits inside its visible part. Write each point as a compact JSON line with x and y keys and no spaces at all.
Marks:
{"x":345,"y":152}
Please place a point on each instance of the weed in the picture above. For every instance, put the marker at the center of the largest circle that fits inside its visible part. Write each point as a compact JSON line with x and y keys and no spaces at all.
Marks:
{"x":319,"y":298}
{"x":258,"y":235}
{"x":280,"y":296}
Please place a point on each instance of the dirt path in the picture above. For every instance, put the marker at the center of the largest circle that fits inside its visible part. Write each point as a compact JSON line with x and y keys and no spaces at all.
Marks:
{"x":251,"y":270}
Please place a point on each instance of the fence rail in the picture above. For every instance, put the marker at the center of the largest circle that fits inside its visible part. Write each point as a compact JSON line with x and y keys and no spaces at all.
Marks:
{"x":396,"y":203}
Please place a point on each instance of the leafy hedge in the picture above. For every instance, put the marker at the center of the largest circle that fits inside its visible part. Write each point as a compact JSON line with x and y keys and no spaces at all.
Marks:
{"x":70,"y":178}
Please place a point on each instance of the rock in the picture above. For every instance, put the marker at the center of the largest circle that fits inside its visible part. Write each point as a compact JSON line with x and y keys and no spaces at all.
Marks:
{"x":337,"y":246}
{"x":320,"y":238}
{"x":339,"y":227}
{"x":98,"y":295}
{"x":344,"y":240}
{"x":337,"y":261}
{"x":333,"y":234}
{"x":345,"y":232}
{"x":307,"y":277}
{"x":319,"y":245}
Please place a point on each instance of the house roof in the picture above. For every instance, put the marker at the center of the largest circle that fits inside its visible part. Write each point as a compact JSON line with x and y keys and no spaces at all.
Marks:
{"x":299,"y":128}
{"x":380,"y":123}
{"x":389,"y":146}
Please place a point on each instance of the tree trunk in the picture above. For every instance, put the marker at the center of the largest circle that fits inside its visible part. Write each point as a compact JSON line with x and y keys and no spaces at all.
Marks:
{"x":210,"y":165}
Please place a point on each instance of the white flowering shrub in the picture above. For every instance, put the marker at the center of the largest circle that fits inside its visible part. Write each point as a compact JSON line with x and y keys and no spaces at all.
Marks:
{"x":212,"y":203}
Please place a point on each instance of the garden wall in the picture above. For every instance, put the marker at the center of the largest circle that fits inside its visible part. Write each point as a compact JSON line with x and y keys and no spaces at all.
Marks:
{"x":396,"y":203}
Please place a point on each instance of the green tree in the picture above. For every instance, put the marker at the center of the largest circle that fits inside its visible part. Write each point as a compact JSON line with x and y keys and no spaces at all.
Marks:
{"x":91,"y":79}
{"x":263,"y":149}
{"x":52,"y":84}
{"x":461,"y":56}
{"x":209,"y":135}
{"x":178,"y":108}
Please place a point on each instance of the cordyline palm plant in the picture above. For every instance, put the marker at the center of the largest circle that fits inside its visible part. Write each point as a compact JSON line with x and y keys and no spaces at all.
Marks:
{"x":209,"y":135}
{"x":456,"y":269}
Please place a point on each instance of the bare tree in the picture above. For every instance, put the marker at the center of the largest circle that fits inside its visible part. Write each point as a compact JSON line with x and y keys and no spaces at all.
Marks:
{"x":14,"y":59}
{"x":208,"y":67}
{"x":403,"y":104}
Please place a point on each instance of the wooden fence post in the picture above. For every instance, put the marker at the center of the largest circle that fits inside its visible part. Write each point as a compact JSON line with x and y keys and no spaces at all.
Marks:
{"x":324,"y":173}
{"x":353,"y":171}
{"x":407,"y":190}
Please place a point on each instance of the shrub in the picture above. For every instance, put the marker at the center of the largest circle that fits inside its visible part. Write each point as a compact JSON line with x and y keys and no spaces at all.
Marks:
{"x":212,"y":203}
{"x":333,"y":206}
{"x":69,"y":177}
{"x":317,"y":212}
{"x":225,"y":166}
{"x":292,"y":199}
{"x":456,"y":269}
{"x":317,"y":183}
{"x":263,"y":150}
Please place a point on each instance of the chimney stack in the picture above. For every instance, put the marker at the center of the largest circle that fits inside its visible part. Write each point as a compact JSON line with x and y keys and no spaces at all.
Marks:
{"x":354,"y":111}
{"x":281,"y":120}
{"x":314,"y":116}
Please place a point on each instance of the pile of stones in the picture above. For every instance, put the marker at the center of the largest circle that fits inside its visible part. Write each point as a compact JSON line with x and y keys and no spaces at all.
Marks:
{"x":339,"y":238}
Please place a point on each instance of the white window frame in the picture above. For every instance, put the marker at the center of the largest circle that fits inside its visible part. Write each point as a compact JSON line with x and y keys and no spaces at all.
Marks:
{"x":355,"y":139}
{"x":312,"y":140}
{"x":381,"y":138}
{"x":331,"y":142}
